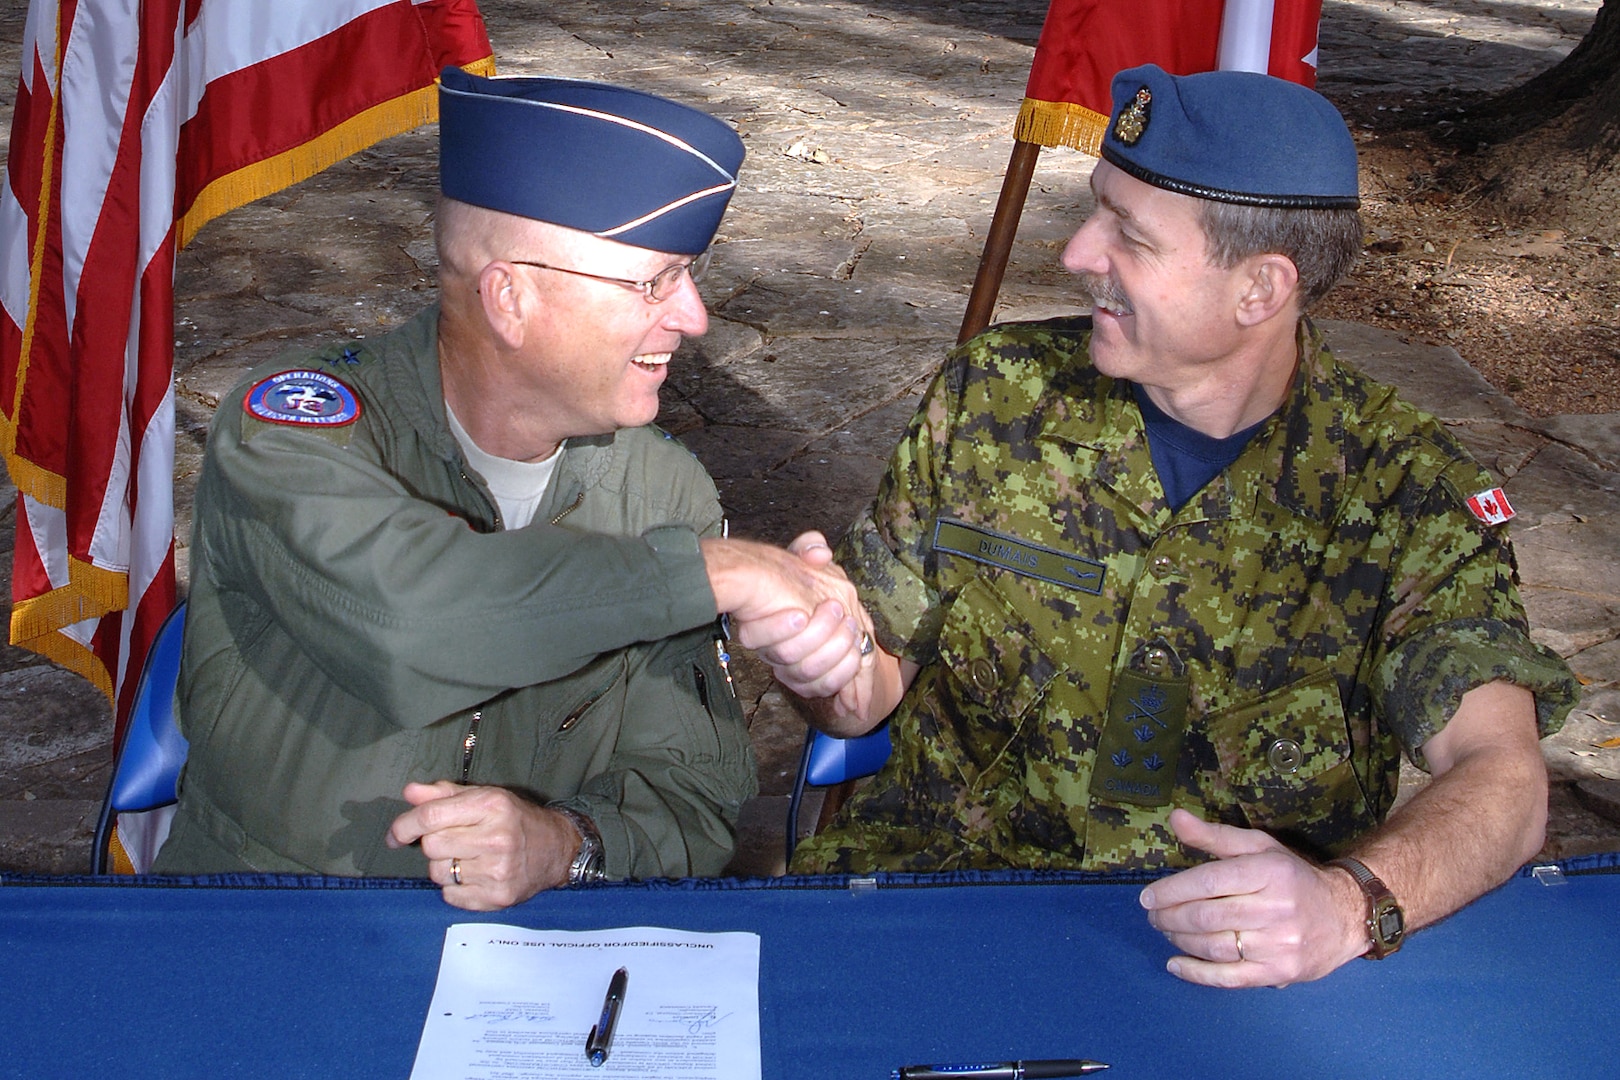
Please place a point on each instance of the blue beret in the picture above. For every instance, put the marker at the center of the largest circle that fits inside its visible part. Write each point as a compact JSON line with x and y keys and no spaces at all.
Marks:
{"x":1232,"y":136}
{"x":621,"y":164}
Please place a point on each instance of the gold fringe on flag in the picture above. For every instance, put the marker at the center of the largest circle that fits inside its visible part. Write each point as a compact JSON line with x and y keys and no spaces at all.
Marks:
{"x":1060,"y":123}
{"x":118,"y":860}
{"x":91,"y":592}
{"x":355,"y":134}
{"x":35,"y":481}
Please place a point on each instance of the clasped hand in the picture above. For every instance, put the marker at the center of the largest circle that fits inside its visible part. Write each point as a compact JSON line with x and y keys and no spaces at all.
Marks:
{"x":817,"y":654}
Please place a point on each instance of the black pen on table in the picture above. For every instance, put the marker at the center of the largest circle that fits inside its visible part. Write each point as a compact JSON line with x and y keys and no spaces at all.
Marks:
{"x":600,"y":1040}
{"x":1048,"y":1069}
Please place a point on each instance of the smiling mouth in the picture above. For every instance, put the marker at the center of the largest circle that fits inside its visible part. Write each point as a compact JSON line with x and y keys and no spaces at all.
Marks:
{"x":651,"y":361}
{"x":1105,"y":296}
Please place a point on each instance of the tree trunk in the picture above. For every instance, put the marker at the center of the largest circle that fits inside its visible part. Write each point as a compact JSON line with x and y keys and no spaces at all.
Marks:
{"x":1548,"y":150}
{"x":1590,"y":73}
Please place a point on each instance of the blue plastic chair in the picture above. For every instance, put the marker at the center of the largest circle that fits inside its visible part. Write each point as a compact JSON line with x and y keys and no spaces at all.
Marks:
{"x":831,"y":762}
{"x":147,"y":768}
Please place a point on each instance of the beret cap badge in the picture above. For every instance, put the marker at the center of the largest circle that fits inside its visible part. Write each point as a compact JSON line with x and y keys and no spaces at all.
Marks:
{"x":1133,"y":119}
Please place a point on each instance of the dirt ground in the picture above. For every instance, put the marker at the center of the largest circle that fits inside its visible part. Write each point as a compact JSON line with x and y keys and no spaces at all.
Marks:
{"x":1533,"y":305}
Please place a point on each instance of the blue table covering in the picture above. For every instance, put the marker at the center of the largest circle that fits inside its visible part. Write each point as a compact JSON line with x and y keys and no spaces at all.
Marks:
{"x":252,"y":978}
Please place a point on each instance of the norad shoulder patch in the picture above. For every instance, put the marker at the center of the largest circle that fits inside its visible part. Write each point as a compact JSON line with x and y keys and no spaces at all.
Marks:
{"x":302,"y":398}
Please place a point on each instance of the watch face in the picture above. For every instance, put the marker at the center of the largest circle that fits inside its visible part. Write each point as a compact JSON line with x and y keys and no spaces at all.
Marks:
{"x":1389,"y":925}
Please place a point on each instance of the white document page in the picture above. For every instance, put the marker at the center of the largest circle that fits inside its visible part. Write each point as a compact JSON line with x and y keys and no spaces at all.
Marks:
{"x":516,"y":1004}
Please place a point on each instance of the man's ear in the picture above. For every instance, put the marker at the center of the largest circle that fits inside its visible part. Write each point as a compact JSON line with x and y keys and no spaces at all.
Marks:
{"x":1272,"y":289}
{"x":504,"y":299}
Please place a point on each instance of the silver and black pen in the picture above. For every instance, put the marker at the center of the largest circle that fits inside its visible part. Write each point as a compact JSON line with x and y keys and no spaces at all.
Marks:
{"x":1047,"y":1069}
{"x":600,"y":1040}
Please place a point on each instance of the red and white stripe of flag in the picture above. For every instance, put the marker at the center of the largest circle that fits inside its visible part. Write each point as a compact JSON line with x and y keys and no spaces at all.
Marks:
{"x":135,"y":122}
{"x":1276,"y":37}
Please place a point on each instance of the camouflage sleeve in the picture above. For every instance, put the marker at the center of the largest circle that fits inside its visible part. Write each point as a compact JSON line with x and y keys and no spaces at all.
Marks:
{"x":887,"y":550}
{"x":1455,"y":621}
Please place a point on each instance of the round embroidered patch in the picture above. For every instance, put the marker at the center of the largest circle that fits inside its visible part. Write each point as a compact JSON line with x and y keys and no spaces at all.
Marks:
{"x":302,"y":397}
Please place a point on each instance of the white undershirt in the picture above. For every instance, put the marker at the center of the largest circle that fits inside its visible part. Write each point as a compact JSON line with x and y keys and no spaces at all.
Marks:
{"x":518,"y":486}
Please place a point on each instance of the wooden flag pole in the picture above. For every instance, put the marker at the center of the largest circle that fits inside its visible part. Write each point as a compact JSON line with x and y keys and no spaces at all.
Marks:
{"x":998,"y":243}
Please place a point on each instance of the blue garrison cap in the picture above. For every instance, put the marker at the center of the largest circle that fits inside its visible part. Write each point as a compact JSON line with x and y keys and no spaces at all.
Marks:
{"x":1232,"y":136}
{"x":621,"y":164}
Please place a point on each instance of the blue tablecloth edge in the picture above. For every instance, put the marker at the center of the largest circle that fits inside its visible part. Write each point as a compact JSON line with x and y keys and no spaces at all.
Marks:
{"x":1603,"y":863}
{"x":1607,"y":862}
{"x":854,"y":882}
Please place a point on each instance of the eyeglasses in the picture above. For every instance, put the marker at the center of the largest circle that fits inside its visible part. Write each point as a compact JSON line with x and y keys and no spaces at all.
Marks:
{"x":655,"y":290}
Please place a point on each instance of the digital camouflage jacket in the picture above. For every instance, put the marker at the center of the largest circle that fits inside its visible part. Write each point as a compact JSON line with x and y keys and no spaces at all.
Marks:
{"x":1091,"y":659}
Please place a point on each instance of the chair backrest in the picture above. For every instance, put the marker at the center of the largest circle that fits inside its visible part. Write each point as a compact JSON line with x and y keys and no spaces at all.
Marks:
{"x":147,"y":768}
{"x":828,"y":761}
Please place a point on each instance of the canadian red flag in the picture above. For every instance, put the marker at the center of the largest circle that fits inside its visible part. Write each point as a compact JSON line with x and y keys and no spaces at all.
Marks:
{"x":135,"y":124}
{"x":1491,"y":506}
{"x":1084,"y":43}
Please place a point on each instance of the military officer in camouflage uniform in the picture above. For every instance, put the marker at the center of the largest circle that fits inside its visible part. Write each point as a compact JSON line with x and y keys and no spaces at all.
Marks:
{"x":1169,"y":582}
{"x":453,"y":599}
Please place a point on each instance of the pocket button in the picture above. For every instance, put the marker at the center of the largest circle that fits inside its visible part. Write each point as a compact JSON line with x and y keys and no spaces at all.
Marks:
{"x":1285,"y":756}
{"x":983,"y":674}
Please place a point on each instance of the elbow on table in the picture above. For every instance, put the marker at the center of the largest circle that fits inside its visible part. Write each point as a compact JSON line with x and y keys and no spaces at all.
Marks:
{"x":1533,"y":832}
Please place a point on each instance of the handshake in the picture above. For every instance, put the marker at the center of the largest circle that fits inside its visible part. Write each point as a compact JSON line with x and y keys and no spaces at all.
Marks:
{"x":799,"y":612}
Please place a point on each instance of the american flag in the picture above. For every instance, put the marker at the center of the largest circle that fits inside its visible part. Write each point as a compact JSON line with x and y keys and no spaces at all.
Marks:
{"x":136,"y":122}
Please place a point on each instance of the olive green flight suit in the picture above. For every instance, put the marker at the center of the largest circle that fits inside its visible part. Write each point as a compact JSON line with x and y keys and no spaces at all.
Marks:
{"x":358,"y":619}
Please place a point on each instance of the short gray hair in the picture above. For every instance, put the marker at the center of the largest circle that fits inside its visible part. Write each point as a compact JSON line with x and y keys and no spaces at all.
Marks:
{"x":1323,"y":244}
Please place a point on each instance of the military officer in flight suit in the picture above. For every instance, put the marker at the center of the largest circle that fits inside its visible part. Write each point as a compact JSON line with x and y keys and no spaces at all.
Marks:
{"x":453,"y":599}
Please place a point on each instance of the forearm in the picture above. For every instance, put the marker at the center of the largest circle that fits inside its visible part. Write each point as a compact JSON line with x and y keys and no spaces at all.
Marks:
{"x":866,"y":702}
{"x":1461,"y":836}
{"x":1482,"y":816}
{"x":1260,"y":914}
{"x":751,"y":580}
{"x":406,"y":605}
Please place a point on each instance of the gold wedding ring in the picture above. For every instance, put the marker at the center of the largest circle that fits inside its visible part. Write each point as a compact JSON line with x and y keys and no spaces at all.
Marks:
{"x":1237,"y":935}
{"x":866,"y":644}
{"x":455,"y":876}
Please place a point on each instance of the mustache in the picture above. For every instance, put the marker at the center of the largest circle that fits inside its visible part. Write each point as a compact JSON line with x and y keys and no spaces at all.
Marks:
{"x":1106,"y":293}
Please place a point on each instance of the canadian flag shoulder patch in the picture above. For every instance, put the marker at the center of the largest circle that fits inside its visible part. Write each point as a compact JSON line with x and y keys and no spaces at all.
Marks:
{"x":1491,"y":506}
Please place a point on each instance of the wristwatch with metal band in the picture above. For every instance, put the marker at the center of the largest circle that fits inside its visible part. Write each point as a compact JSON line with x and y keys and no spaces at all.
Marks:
{"x":1386,"y":922}
{"x":587,"y":864}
